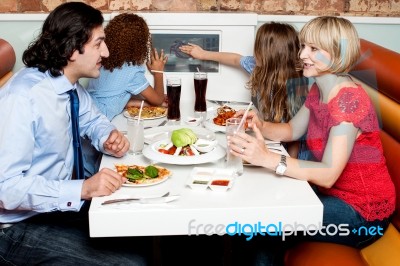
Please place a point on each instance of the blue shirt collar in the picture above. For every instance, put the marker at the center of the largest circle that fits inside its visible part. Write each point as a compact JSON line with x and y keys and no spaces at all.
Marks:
{"x":61,"y":83}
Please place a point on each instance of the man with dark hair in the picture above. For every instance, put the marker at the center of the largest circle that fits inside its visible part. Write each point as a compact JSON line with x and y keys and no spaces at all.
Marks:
{"x":44,"y":110}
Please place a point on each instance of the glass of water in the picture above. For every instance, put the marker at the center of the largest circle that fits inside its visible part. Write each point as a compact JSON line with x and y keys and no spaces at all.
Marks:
{"x":232,"y":161}
{"x":135,"y":135}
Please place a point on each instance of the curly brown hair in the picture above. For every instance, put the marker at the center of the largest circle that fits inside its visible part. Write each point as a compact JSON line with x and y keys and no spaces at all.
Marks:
{"x":128,"y":39}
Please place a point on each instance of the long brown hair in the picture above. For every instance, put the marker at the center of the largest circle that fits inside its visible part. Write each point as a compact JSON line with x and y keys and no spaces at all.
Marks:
{"x":277,"y":79}
{"x":128,"y":40}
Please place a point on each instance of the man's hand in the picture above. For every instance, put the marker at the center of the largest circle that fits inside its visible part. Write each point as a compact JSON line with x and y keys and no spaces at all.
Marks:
{"x":104,"y":183}
{"x":116,"y":144}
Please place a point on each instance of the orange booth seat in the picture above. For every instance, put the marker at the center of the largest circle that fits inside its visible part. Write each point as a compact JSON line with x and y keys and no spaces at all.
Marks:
{"x":379,"y":73}
{"x":7,"y":61}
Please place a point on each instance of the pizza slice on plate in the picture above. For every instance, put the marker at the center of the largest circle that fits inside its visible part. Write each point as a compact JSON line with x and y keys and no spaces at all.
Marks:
{"x":147,"y":111}
{"x":141,"y":175}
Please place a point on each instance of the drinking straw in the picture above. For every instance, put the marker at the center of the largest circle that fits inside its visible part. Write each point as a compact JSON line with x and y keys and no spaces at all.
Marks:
{"x":140,"y":112}
{"x":244,"y":116}
{"x":137,"y":129}
{"x":198,"y":70}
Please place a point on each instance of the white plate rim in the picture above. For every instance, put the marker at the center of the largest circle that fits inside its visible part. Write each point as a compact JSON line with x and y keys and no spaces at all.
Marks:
{"x":149,"y":184}
{"x":209,"y":124}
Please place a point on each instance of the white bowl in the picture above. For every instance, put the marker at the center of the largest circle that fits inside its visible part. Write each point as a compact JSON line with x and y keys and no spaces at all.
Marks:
{"x":221,"y":183}
{"x":200,"y":177}
{"x":193,"y":121}
{"x":204,"y":145}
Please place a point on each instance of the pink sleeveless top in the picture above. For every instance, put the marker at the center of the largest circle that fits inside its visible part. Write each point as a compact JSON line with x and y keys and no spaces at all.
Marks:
{"x":365,"y":182}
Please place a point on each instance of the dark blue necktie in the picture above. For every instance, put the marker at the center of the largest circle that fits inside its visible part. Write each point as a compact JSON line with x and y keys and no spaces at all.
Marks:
{"x":78,"y":158}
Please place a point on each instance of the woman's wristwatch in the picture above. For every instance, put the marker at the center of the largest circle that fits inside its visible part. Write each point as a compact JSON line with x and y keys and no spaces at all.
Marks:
{"x":281,"y":168}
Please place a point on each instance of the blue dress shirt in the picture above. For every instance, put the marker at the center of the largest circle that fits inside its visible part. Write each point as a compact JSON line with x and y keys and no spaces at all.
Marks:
{"x":36,"y":153}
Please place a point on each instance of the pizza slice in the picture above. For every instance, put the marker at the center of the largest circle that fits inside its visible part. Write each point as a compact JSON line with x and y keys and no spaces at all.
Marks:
{"x":138,"y":174}
{"x":147,"y":111}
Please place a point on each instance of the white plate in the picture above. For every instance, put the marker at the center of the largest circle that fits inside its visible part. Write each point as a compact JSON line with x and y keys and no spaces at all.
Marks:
{"x":209,"y":123}
{"x":146,"y":185}
{"x":158,"y":133}
{"x":152,"y":153}
{"x":126,"y":114}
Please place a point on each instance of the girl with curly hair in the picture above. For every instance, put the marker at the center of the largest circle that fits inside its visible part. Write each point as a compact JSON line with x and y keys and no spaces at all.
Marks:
{"x":123,"y":73}
{"x":276,"y":82}
{"x":122,"y":80}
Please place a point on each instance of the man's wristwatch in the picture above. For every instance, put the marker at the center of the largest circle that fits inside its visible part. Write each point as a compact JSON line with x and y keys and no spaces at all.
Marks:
{"x":281,"y":168}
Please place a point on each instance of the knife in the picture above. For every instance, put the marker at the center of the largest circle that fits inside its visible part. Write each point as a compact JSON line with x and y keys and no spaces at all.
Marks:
{"x":221,"y":103}
{"x":143,"y":200}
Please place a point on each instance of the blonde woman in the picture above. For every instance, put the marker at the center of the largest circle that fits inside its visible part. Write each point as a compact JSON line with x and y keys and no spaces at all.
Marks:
{"x":350,"y":173}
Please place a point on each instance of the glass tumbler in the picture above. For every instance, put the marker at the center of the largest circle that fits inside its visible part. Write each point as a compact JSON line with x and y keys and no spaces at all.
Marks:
{"x":200,"y":89}
{"x":135,"y":135}
{"x":174,"y":97}
{"x":232,"y":161}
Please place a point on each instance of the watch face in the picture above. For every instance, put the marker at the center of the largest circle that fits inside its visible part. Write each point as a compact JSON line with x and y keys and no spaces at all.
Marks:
{"x":281,"y":169}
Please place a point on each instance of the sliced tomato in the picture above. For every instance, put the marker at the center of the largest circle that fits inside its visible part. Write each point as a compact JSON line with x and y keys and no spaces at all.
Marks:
{"x":172,"y":150}
{"x":186,"y":151}
{"x":163,"y":151}
{"x":189,"y":152}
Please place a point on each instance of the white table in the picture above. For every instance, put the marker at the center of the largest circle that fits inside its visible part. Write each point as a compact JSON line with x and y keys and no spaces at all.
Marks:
{"x":258,"y":196}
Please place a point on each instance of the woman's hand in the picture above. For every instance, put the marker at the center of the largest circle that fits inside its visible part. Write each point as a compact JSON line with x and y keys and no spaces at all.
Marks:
{"x":251,"y":118}
{"x":157,"y":61}
{"x":250,"y":149}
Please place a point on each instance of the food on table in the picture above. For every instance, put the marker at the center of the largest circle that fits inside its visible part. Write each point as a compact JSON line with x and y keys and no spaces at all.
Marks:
{"x":147,"y":111}
{"x":181,"y":151}
{"x":184,"y":142}
{"x":223,"y":113}
{"x":200,"y":182}
{"x":220,"y":182}
{"x":137,"y":174}
{"x":151,"y":171}
{"x":183,"y":137}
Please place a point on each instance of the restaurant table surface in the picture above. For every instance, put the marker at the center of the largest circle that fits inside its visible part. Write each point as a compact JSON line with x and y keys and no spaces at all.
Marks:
{"x":258,"y":197}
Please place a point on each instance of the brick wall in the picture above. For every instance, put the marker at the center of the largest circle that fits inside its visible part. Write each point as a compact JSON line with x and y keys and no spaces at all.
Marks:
{"x":380,"y":8}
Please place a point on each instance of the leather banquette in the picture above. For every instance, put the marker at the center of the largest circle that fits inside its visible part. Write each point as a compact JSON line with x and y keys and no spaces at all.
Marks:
{"x":379,"y":73}
{"x":7,"y":61}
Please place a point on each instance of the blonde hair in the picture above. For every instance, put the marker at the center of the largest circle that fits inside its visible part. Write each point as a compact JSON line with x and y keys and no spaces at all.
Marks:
{"x":338,"y":37}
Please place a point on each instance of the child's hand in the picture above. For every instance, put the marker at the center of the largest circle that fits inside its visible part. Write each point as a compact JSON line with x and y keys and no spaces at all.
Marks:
{"x":193,"y":50}
{"x":157,"y":61}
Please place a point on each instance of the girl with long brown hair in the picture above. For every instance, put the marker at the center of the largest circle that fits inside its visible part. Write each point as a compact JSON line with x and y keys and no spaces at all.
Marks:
{"x":276,"y":83}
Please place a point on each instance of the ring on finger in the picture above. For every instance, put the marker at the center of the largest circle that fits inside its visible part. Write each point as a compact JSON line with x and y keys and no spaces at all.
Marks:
{"x":242,"y":150}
